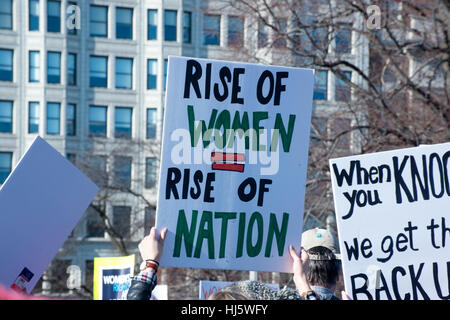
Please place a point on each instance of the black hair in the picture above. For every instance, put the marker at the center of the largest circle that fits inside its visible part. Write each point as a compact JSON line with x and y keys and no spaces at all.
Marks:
{"x":324,"y":268}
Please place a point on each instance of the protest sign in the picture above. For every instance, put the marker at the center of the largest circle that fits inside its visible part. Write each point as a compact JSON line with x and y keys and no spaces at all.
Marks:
{"x":393,"y":220}
{"x":40,"y":203}
{"x":160,"y":292}
{"x":112,"y":277}
{"x":233,"y":167}
{"x":208,"y":288}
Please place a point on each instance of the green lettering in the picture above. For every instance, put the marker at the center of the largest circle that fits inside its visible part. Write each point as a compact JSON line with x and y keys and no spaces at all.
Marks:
{"x":274,"y":231}
{"x":225,"y":216}
{"x":184,"y":232}
{"x":205,"y":233}
{"x":286,"y":137}
{"x":254,"y":250}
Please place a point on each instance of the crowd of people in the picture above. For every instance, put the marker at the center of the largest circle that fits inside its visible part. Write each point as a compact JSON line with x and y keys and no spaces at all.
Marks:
{"x":316,"y":270}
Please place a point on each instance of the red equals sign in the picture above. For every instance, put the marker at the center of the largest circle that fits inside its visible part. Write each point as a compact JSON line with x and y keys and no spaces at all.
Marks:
{"x":228,"y":161}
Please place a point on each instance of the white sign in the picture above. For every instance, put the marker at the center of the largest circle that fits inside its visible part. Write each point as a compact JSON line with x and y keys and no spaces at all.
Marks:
{"x":233,"y":167}
{"x":160,"y":292}
{"x":393,"y":219}
{"x":40,"y":203}
{"x":208,"y":288}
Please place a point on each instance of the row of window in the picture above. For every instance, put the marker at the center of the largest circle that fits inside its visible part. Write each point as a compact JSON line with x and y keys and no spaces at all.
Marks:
{"x":98,"y":69}
{"x":342,"y":89}
{"x":123,"y":119}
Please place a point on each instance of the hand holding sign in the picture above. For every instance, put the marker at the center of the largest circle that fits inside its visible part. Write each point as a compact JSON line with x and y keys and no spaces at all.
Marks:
{"x":151,"y":247}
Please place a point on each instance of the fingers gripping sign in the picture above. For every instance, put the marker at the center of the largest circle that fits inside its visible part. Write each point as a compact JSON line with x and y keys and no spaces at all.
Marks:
{"x":151,"y":247}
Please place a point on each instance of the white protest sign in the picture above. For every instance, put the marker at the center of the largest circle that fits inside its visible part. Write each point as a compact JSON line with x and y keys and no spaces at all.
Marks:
{"x":40,"y":203}
{"x":393,"y":219}
{"x":208,"y":288}
{"x":233,"y":167}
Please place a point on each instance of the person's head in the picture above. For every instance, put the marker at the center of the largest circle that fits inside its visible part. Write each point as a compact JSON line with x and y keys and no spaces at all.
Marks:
{"x":324,"y":259}
{"x":323,"y":268}
{"x":227,"y":295}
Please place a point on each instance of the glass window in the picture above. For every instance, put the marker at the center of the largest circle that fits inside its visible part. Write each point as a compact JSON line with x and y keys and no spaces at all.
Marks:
{"x":5,"y":165}
{"x":235,"y":31}
{"x":280,"y":38}
{"x":53,"y":117}
{"x":72,"y":69}
{"x":53,"y":67}
{"x":187,"y":27}
{"x":72,"y":157}
{"x":124,"y":73}
{"x":98,"y":24}
{"x":166,"y":62}
{"x":6,"y":116}
{"x":96,"y":170}
{"x":35,"y":66}
{"x":152,"y":27}
{"x":343,"y":39}
{"x":89,"y":274}
{"x":150,"y":172}
{"x":124,"y":23}
{"x":151,"y":123}
{"x":53,"y":16}
{"x":6,"y":15}
{"x":149,"y":220}
{"x":97,"y":121}
{"x":319,"y":36}
{"x":122,"y":171}
{"x":98,"y":71}
{"x":170,"y":25}
{"x":320,"y":85}
{"x":263,"y":35}
{"x":95,"y":227}
{"x":123,"y":122}
{"x":211,"y":30}
{"x":33,"y":21}
{"x":71,"y":28}
{"x":33,"y":117}
{"x":6,"y":65}
{"x":71,"y":119}
{"x":152,"y":73}
{"x":122,"y":220}
{"x":342,"y":89}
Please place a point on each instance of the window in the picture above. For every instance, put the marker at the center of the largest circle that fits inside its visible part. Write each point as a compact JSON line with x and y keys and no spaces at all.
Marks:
{"x":150,"y":173}
{"x":96,"y":171}
{"x":343,"y":39}
{"x":122,"y":220}
{"x":124,"y":73}
{"x":170,"y":25}
{"x":33,"y":19}
{"x":166,"y":62}
{"x":280,"y":41}
{"x":187,"y":27}
{"x":71,"y":27}
{"x":151,"y":124}
{"x":35,"y":66}
{"x":319,"y":36}
{"x":5,"y":165}
{"x":211,"y":30}
{"x":53,"y":117}
{"x":235,"y":31}
{"x":149,"y":220}
{"x":123,"y":122}
{"x":6,"y":15}
{"x":98,"y":24}
{"x":124,"y":23}
{"x":320,"y":85}
{"x":342,"y":89}
{"x":152,"y":73}
{"x":72,"y":157}
{"x":53,"y":67}
{"x":71,"y":119}
{"x":97,"y":121}
{"x":263,"y":35}
{"x":33,"y":117}
{"x":152,"y":26}
{"x":53,"y":16}
{"x":72,"y":69}
{"x":6,"y":114}
{"x":98,"y":71}
{"x":94,"y":226}
{"x":89,"y":273}
{"x":6,"y":65}
{"x":122,"y":171}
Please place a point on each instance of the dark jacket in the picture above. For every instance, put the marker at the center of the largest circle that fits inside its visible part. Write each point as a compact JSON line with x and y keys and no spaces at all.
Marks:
{"x":140,"y":290}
